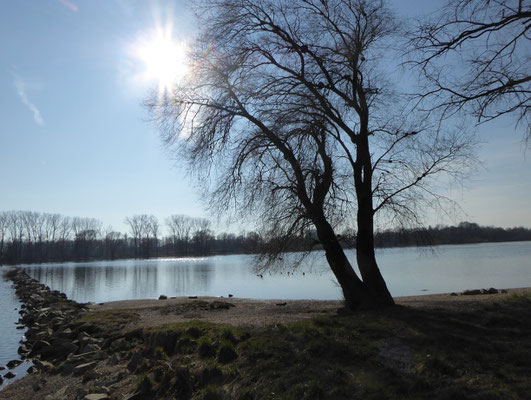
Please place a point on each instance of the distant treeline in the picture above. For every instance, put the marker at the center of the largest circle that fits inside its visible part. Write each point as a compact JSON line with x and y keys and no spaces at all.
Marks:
{"x":465,"y":232}
{"x":32,"y":237}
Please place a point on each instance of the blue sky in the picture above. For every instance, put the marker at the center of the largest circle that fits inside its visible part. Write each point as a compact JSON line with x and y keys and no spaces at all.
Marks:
{"x":76,"y":140}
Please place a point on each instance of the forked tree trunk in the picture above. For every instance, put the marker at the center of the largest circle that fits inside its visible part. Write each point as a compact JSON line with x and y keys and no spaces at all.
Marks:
{"x":353,"y":288}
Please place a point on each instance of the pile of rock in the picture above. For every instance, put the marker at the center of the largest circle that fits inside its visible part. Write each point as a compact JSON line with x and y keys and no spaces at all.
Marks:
{"x":475,"y":292}
{"x":57,"y":341}
{"x":54,"y":341}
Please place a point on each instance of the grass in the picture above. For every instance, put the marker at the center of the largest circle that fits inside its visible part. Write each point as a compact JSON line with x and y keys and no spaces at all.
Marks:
{"x":399,"y":353}
{"x":109,"y":320}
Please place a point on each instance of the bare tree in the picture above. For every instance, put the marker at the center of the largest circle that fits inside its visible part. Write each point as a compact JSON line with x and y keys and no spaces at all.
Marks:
{"x":152,"y":230}
{"x":113,"y":241}
{"x":202,"y":235}
{"x":3,"y":231}
{"x":288,"y":120}
{"x":476,"y":55}
{"x":180,"y":227}
{"x":136,"y":224}
{"x":145,"y":229}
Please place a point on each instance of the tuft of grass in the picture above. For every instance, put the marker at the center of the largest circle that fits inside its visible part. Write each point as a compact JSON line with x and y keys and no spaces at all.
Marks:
{"x":226,"y":352}
{"x":160,"y":354}
{"x":212,"y":392}
{"x":206,"y":349}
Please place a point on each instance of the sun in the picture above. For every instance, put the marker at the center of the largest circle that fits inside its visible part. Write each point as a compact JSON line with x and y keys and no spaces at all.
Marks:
{"x":161,"y":59}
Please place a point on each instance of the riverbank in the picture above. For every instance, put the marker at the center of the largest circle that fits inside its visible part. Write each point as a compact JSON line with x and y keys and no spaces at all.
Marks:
{"x":435,"y":346}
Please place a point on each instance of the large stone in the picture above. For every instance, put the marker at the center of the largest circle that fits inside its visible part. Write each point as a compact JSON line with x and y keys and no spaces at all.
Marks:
{"x":135,"y":361}
{"x":13,"y":363}
{"x":82,"y":368}
{"x":472,"y":292}
{"x":43,"y":365}
{"x":10,"y":375}
{"x":91,"y":347}
{"x":39,"y":345}
{"x":96,"y":396}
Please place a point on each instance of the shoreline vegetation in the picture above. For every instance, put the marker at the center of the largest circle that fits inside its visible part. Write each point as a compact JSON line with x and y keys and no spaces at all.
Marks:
{"x":449,"y":346}
{"x":29,"y":238}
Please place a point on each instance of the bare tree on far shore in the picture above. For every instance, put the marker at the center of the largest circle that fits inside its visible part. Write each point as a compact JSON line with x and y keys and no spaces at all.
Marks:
{"x":476,"y":56}
{"x":288,"y":121}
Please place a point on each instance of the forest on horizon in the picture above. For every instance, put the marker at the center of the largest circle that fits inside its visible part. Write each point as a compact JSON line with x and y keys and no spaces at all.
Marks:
{"x":32,"y":237}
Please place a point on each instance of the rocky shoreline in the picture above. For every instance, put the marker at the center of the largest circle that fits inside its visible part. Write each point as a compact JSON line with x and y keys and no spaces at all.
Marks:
{"x":57,"y":342}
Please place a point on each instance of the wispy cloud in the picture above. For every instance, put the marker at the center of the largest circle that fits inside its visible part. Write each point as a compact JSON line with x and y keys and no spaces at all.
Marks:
{"x":21,"y":85}
{"x":69,"y":5}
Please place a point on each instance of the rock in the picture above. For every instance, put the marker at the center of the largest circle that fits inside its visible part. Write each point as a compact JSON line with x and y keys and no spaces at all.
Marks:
{"x":43,"y":365}
{"x":503,"y":291}
{"x":23,"y":350}
{"x":163,"y":297}
{"x":96,"y":396}
{"x":113,"y":360}
{"x":39,"y":345}
{"x":91,"y":347}
{"x":90,"y":375}
{"x":135,"y":361}
{"x":10,"y":375}
{"x":2,"y":367}
{"x":83,"y":335}
{"x":492,"y":291}
{"x":118,"y":345}
{"x":453,"y":294}
{"x":102,"y":389}
{"x":13,"y":363}
{"x":231,"y":295}
{"x":1,"y":380}
{"x":32,"y":369}
{"x":281,"y":304}
{"x":472,"y":292}
{"x":82,"y":368}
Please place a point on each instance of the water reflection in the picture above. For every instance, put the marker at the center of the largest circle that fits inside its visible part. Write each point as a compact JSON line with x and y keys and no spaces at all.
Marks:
{"x":407,"y":271}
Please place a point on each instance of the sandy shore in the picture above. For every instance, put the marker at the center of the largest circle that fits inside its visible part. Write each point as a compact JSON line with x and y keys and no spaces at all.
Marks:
{"x":252,"y":312}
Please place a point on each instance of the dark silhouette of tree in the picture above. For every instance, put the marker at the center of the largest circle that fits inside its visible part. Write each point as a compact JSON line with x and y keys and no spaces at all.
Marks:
{"x":288,"y":120}
{"x":475,"y":55}
{"x":113,"y":242}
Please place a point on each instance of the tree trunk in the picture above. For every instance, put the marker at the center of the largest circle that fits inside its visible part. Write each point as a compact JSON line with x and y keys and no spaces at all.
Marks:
{"x":353,"y":288}
{"x":370,"y":273}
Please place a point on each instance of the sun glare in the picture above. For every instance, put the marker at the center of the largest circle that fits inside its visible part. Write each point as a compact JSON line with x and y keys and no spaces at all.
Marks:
{"x":162,"y":59}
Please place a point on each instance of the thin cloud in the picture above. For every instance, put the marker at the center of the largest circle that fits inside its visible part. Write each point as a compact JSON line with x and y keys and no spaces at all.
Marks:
{"x":69,"y":5}
{"x":20,"y":85}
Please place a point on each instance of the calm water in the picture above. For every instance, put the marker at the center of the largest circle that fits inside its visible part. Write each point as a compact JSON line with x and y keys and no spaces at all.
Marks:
{"x":408,"y":271}
{"x":9,"y":335}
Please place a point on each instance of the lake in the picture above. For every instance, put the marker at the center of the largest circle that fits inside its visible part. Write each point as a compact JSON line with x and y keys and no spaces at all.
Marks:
{"x":408,"y":271}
